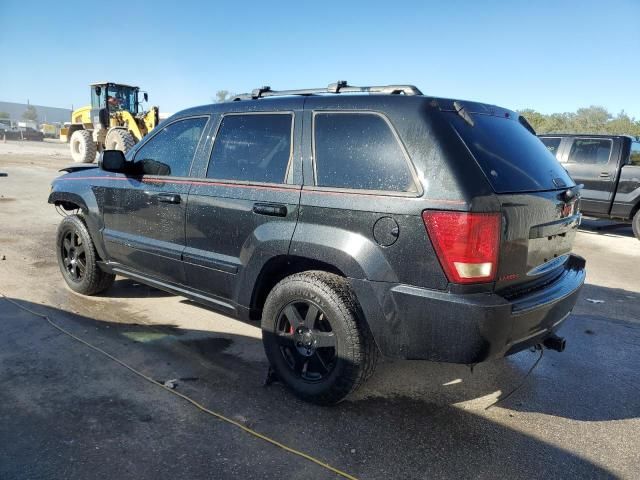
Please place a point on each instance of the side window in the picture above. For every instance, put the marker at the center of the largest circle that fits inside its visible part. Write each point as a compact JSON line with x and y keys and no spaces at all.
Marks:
{"x":634,"y":158}
{"x":590,"y":151}
{"x":252,"y":148}
{"x":359,"y":151}
{"x":171,"y":151}
{"x":552,"y":144}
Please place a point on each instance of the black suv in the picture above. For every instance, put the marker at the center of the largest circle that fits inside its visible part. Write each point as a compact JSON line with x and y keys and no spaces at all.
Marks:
{"x":349,"y":221}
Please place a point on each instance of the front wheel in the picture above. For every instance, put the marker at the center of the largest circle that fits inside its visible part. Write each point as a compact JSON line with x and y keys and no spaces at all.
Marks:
{"x":77,"y":258}
{"x":119,"y":139}
{"x":315,"y":339}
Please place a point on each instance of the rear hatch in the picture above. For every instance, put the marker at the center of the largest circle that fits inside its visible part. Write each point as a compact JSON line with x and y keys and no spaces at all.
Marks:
{"x":537,"y":196}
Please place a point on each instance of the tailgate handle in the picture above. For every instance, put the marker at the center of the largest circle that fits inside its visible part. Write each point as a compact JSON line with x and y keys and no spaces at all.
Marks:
{"x":273,"y":209}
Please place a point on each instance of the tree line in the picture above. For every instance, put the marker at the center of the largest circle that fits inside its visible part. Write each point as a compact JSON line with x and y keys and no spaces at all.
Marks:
{"x":593,"y":120}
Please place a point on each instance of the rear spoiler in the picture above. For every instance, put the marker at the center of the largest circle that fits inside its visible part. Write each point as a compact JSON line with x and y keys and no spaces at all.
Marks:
{"x":76,"y":167}
{"x":464,"y":108}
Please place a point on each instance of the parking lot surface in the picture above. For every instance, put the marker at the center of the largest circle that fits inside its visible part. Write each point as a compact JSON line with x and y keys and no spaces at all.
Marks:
{"x":68,"y":412}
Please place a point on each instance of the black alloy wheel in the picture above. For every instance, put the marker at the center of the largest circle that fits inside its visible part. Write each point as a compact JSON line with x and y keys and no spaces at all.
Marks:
{"x":307,"y":341}
{"x":315,"y":338}
{"x":78,"y":259}
{"x":74,"y":255}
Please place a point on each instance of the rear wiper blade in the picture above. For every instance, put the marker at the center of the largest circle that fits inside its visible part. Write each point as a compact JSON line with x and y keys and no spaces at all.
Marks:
{"x":525,"y":123}
{"x":463,"y":113}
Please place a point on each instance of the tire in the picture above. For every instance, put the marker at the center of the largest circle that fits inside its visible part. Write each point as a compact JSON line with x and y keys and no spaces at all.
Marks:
{"x":635,"y":224}
{"x":77,"y":258}
{"x":327,"y":313}
{"x":119,"y":139}
{"x":83,"y":148}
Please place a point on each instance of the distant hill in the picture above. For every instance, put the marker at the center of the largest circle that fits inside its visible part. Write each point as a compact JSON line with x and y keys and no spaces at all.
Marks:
{"x":45,"y":114}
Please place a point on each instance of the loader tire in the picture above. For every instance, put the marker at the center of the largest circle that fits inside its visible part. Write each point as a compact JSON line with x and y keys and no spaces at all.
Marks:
{"x":636,"y":224}
{"x":119,"y":139}
{"x":83,"y":148}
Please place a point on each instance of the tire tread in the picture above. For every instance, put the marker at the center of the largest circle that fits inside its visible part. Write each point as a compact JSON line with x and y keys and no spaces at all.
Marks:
{"x":122,"y":139}
{"x":635,"y":224}
{"x":90,"y":146}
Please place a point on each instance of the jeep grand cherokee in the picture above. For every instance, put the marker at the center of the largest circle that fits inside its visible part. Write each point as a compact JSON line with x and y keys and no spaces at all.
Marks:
{"x":349,"y":221}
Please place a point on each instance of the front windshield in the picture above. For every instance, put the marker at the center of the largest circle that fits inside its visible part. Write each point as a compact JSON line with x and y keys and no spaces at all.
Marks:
{"x":121,"y":98}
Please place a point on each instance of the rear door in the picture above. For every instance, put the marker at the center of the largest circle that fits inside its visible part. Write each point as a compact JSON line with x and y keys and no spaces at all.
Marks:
{"x":144,"y":211}
{"x":360,"y":197}
{"x":245,"y":205}
{"x":593,"y":162}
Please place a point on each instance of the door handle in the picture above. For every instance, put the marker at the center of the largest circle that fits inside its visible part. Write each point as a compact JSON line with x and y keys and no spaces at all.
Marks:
{"x":273,"y":209}
{"x":604,"y":174}
{"x":168,"y":197}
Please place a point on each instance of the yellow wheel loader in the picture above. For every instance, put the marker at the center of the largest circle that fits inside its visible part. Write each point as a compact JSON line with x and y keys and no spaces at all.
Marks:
{"x":115,"y":120}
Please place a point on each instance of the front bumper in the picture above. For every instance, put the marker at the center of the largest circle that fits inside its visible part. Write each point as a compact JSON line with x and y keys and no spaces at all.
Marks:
{"x":417,"y":323}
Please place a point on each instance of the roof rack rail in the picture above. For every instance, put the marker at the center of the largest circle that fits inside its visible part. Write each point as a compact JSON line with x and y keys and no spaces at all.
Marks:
{"x":341,"y":86}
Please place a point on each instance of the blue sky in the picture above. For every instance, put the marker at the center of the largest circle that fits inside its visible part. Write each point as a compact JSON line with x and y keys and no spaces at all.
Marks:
{"x":550,"y":56}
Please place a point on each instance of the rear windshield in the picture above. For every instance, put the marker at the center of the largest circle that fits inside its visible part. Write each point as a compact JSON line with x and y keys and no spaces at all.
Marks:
{"x":512,"y":158}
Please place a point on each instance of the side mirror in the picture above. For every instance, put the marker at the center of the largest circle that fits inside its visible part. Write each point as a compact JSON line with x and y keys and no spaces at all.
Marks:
{"x":145,"y":95}
{"x":112,"y":161}
{"x":98,"y":90}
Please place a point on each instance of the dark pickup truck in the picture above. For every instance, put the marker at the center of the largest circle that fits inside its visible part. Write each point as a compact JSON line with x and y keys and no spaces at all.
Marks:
{"x":609,"y":168}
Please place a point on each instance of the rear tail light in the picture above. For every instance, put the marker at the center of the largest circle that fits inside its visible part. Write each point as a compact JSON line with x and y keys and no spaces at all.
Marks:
{"x":466,"y":244}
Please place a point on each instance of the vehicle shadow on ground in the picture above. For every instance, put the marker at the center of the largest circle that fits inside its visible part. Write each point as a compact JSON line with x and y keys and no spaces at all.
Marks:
{"x":606,"y":228}
{"x":582,"y":383}
{"x":595,"y":379}
{"x":373,"y":438}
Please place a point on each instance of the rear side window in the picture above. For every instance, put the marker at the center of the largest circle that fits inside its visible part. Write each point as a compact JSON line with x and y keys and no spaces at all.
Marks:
{"x":252,"y":148}
{"x":634,"y":158}
{"x":552,"y":144}
{"x":359,"y":151}
{"x":171,"y":151}
{"x":590,"y":151}
{"x":511,"y":157}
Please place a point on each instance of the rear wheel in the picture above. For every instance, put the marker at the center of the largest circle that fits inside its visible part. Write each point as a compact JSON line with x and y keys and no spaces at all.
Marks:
{"x":119,"y":139}
{"x":83,"y":148}
{"x":77,"y":258}
{"x":636,"y":224}
{"x":315,"y":339}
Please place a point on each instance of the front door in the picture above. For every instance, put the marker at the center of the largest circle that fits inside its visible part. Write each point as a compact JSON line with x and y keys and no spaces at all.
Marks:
{"x":144,"y":212}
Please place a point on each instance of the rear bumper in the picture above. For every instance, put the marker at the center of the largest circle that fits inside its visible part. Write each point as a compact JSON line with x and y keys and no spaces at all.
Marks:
{"x":417,"y":323}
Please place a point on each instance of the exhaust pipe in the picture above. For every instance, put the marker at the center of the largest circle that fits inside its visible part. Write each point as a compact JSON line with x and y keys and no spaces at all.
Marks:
{"x":554,"y":342}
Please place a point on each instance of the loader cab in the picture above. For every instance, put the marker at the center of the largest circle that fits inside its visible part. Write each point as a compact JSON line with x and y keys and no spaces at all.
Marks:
{"x":114,"y":97}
